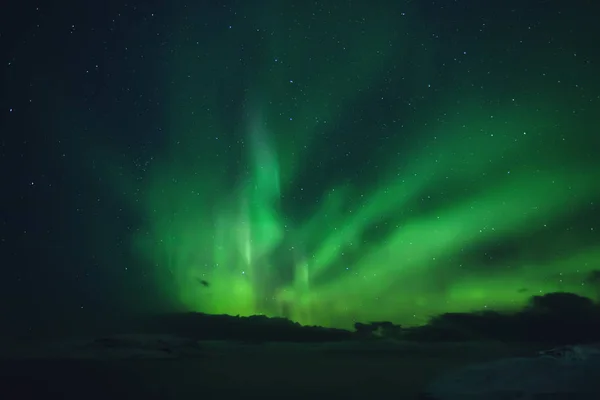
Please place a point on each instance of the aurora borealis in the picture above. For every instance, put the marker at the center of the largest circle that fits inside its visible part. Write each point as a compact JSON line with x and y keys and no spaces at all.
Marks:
{"x":333,"y":164}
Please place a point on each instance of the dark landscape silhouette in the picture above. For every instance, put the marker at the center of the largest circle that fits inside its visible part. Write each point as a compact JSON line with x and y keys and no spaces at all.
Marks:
{"x":552,"y":319}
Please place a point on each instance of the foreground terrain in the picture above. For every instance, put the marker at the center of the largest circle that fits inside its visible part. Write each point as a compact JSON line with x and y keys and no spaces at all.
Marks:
{"x":107,"y":369}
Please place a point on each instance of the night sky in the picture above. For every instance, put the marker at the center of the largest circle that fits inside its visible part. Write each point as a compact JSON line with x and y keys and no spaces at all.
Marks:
{"x":326,"y":161}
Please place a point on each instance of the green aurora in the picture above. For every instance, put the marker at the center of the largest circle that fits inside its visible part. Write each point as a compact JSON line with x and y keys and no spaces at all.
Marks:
{"x":356,"y":177}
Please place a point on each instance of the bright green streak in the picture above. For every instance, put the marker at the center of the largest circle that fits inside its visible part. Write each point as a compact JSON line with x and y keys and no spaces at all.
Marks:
{"x":499,"y":171}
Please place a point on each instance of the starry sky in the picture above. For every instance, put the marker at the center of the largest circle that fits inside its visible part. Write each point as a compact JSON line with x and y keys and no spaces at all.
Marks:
{"x":326,"y":161}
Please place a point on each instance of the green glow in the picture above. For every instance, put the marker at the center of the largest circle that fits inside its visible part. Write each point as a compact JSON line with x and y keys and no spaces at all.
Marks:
{"x":229,"y":241}
{"x":394,"y":243}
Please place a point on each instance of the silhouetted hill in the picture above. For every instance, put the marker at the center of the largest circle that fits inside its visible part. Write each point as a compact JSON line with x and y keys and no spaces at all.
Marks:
{"x":554,"y":318}
{"x":256,"y":328}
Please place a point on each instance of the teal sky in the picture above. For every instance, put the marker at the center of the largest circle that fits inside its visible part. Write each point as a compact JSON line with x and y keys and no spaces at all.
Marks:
{"x":332,"y":164}
{"x":365,"y":162}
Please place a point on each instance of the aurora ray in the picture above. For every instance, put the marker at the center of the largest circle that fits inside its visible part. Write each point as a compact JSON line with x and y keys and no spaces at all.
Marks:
{"x":374,"y":171}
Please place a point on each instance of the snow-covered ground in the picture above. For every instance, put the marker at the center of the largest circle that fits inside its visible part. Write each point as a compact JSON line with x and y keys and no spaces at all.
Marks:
{"x":570,"y":372}
{"x":170,"y":367}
